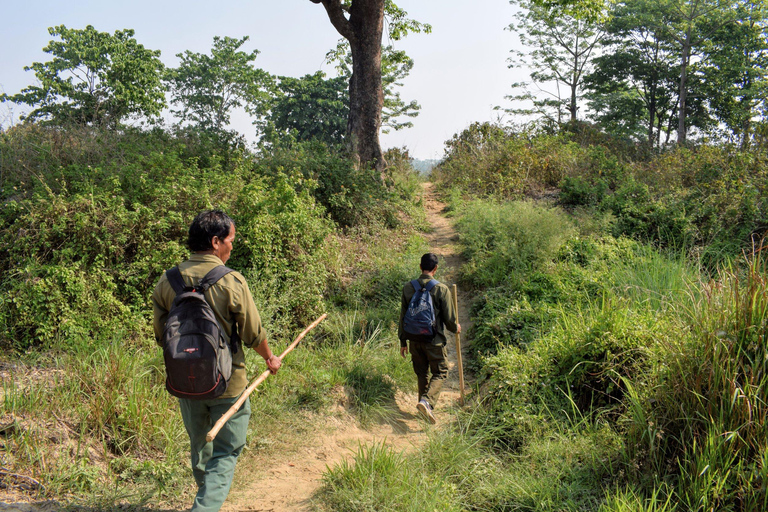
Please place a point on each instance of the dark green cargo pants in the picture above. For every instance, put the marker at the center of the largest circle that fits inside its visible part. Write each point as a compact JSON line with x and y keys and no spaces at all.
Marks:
{"x":428,"y":358}
{"x":213,"y":464}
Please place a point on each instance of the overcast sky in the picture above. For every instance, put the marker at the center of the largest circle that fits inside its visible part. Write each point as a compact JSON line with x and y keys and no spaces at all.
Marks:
{"x":460,"y":70}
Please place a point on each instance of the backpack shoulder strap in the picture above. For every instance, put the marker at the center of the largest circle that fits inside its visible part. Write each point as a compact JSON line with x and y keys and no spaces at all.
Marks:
{"x":431,"y":284}
{"x":213,"y":276}
{"x":209,"y":280}
{"x":416,"y":285}
{"x":174,"y":278}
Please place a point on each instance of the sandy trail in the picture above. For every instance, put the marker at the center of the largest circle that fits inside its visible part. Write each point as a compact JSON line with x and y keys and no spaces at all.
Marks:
{"x":288,"y":486}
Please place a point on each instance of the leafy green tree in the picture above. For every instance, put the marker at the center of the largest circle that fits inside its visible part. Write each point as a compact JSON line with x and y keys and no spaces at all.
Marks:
{"x":207,"y":88}
{"x":561,"y":48}
{"x":735,"y":60}
{"x":589,"y":10}
{"x":633,"y":87}
{"x":689,"y":24}
{"x":395,"y":66}
{"x":361,"y":22}
{"x":94,"y":78}
{"x":309,"y":108}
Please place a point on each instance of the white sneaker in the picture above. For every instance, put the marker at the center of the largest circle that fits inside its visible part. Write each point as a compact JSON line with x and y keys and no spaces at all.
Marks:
{"x":426,"y":410}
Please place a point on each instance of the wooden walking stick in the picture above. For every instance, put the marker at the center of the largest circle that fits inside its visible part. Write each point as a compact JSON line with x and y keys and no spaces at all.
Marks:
{"x":261,"y":378}
{"x":458,"y":344}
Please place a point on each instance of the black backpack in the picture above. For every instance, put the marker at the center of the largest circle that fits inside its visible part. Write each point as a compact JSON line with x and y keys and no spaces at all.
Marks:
{"x":198,"y":359}
{"x":419,"y":319}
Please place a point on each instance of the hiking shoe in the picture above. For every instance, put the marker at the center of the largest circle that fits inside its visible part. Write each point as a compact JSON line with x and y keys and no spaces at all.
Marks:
{"x":426,"y":410}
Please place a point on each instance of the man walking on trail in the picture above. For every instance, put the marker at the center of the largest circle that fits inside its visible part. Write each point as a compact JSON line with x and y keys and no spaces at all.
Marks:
{"x":213,"y":464}
{"x":428,"y":349}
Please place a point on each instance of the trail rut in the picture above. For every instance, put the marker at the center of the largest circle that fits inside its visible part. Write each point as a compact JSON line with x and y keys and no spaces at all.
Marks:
{"x":288,"y":485}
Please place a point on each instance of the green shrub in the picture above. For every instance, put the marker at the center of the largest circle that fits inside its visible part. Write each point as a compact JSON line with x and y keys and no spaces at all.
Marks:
{"x":502,"y":240}
{"x":577,"y":191}
{"x":700,"y":414}
{"x":59,"y":304}
{"x":503,"y":319}
{"x":351,"y":195}
{"x":281,"y":250}
{"x":487,"y":160}
{"x":118,"y":224}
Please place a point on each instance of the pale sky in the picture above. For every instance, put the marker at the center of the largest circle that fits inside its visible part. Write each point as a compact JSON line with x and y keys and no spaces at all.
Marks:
{"x":460,"y":70}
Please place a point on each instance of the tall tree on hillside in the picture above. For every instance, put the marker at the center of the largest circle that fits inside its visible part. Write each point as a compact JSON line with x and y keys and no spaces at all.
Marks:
{"x":633,"y":88}
{"x":207,"y":88}
{"x":561,"y":49}
{"x":361,"y":22}
{"x":395,"y":66}
{"x":735,"y":66}
{"x":94,"y":78}
{"x":689,"y":23}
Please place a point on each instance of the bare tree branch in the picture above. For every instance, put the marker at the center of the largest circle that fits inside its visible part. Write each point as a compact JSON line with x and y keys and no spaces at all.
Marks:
{"x":336,"y":14}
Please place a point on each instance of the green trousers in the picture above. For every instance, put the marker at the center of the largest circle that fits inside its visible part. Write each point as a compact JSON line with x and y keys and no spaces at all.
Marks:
{"x":428,"y":358}
{"x":213,"y":464}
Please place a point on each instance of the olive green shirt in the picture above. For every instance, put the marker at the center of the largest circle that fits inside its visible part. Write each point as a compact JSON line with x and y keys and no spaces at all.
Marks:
{"x":231,"y":301}
{"x":445,"y":313}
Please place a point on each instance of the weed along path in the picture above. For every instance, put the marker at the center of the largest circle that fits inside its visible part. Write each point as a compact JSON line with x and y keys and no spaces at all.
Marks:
{"x":286,"y":483}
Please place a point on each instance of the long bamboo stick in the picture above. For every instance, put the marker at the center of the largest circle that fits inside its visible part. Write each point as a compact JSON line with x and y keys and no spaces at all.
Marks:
{"x":261,"y":378}
{"x":458,"y":344}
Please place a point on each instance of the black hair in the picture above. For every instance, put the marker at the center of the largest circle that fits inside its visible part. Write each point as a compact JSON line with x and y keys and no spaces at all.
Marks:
{"x":208,"y":224}
{"x":429,"y":262}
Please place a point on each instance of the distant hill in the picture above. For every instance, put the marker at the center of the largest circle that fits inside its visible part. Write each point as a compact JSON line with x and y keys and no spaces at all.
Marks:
{"x":424,"y":166}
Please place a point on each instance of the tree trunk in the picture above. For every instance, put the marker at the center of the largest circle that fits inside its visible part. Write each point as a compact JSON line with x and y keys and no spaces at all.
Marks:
{"x":366,"y":95}
{"x":572,"y":106}
{"x":683,"y":94}
{"x":574,"y":81}
{"x":659,"y":129}
{"x":651,"y":122}
{"x":363,"y":29}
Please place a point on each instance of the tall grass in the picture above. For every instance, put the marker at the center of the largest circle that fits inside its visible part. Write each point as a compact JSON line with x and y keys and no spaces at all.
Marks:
{"x":655,"y":280}
{"x":709,"y":404}
{"x":381,"y":479}
{"x":503,"y":239}
{"x":96,"y":425}
{"x":648,"y":395}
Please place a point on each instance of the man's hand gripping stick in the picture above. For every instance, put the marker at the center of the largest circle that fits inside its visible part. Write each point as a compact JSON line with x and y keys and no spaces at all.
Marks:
{"x":261,"y":378}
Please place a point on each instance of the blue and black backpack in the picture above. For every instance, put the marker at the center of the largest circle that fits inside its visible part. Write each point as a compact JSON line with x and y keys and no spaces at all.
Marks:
{"x":419,"y":319}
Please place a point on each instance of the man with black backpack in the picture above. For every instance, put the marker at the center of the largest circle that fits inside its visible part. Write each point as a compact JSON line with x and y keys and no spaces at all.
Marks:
{"x":426,"y":311}
{"x":204,"y":316}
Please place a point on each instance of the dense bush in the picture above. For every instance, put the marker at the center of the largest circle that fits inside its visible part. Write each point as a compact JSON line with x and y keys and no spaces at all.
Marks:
{"x":501,"y":240}
{"x":352,"y":195}
{"x":708,"y":200}
{"x":91,"y":218}
{"x":487,"y":160}
{"x":85,"y":234}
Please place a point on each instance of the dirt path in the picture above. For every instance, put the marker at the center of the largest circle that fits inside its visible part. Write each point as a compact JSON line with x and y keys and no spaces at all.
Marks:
{"x":288,"y":486}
